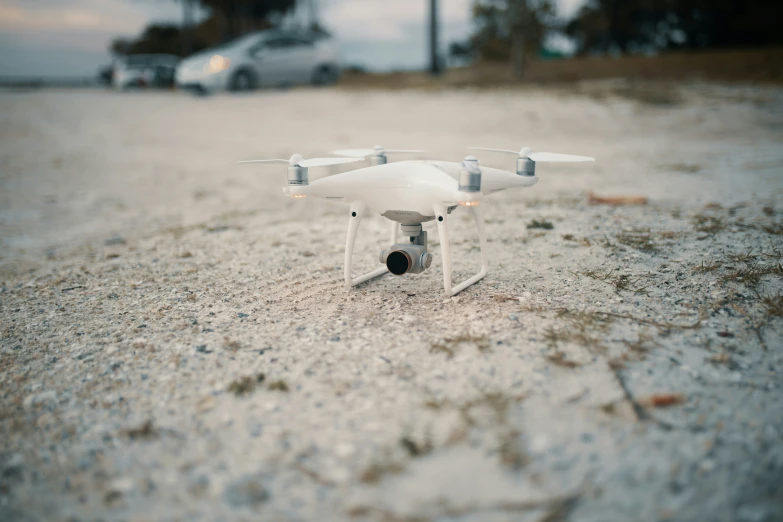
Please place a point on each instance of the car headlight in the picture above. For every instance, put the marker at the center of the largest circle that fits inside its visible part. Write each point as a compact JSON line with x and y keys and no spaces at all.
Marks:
{"x":218,"y":63}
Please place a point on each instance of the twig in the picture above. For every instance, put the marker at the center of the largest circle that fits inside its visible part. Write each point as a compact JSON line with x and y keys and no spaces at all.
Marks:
{"x":757,"y":328}
{"x":653,"y":323}
{"x":638,"y":409}
{"x":314,"y":475}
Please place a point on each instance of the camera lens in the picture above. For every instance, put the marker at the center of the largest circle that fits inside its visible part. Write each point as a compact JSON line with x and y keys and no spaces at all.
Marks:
{"x":398,"y":262}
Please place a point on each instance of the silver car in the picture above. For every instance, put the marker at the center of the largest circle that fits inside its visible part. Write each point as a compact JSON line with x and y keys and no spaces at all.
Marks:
{"x":266,"y":58}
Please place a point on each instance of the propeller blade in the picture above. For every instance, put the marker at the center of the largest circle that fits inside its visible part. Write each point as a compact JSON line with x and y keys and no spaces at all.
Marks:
{"x":265,"y":161}
{"x":553,"y":156}
{"x":354,"y":153}
{"x":323,"y":162}
{"x":514,"y":152}
{"x":363,"y":153}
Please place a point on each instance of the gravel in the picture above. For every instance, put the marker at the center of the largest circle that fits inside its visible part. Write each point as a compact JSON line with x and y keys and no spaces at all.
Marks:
{"x":622,"y":364}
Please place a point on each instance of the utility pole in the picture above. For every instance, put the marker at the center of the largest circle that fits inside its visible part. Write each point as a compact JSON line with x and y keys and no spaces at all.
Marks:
{"x":433,"y":38}
{"x":187,"y":24}
{"x":313,"y":15}
{"x":519,"y":13}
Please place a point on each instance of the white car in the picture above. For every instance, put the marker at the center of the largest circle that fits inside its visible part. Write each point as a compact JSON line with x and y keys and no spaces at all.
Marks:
{"x":262,"y":59}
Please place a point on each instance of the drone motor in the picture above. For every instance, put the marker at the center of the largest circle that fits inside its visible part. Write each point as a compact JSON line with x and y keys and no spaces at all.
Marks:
{"x":526,"y":167}
{"x":379,"y":156}
{"x":297,"y":175}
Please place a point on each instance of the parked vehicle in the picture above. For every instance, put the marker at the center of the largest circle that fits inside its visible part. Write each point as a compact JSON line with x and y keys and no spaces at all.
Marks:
{"x":145,"y":70}
{"x":262,"y":59}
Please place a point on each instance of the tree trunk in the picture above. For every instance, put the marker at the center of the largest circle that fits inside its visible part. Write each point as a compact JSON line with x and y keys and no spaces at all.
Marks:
{"x":518,"y":12}
{"x":518,"y":58}
{"x":433,"y":37}
{"x":187,"y":27}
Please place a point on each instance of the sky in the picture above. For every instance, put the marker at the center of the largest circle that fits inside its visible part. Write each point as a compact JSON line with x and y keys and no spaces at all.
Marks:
{"x":57,"y":38}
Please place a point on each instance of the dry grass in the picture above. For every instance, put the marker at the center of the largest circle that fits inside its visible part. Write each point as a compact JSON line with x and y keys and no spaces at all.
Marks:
{"x":580,"y":335}
{"x":373,"y":473}
{"x":773,"y":304}
{"x":542,"y":224}
{"x":744,"y":267}
{"x":450,"y":345}
{"x":579,"y":328}
{"x":643,"y":344}
{"x":616,"y":201}
{"x":231,"y":345}
{"x":605,"y":318}
{"x":618,"y":281}
{"x":414,"y":448}
{"x":145,"y":431}
{"x":648,"y":76}
{"x":709,"y":224}
{"x":559,"y":358}
{"x":751,"y":274}
{"x":775,"y":229}
{"x":488,"y":410}
{"x":582,"y":241}
{"x":510,"y":450}
{"x":742,"y":257}
{"x":709,"y":266}
{"x":245,"y":385}
{"x":278,"y":385}
{"x":685,"y":168}
{"x":638,"y":239}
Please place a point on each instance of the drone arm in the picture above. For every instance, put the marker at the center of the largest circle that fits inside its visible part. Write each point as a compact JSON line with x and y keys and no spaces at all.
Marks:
{"x":357,"y":211}
{"x":445,"y":249}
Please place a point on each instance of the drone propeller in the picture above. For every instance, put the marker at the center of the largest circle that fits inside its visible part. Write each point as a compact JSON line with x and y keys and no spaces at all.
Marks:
{"x":298,"y":161}
{"x":540,"y":157}
{"x":297,"y":168}
{"x":376,"y":151}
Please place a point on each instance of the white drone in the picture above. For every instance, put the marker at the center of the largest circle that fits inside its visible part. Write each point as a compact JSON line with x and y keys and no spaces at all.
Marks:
{"x":410,"y":193}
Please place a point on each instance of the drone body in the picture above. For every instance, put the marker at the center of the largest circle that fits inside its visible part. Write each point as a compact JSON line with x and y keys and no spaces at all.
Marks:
{"x":410,"y":193}
{"x":407,"y":191}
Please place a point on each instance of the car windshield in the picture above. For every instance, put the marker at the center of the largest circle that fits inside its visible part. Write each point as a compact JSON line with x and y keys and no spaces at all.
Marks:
{"x":237,"y":42}
{"x":142,"y":60}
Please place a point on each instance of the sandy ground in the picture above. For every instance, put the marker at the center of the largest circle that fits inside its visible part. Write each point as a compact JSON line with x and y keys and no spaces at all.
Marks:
{"x":176,"y":342}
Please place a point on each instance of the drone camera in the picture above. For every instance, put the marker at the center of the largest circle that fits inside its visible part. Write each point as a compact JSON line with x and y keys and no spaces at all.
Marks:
{"x":412,"y":257}
{"x":399,"y":262}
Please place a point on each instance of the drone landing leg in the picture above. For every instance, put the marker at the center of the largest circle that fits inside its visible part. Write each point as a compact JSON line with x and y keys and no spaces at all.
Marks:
{"x":357,"y":210}
{"x":445,"y":250}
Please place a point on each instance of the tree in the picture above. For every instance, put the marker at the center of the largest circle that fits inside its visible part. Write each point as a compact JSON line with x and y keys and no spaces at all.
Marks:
{"x":728,"y":23}
{"x":242,"y":16}
{"x":641,"y":25}
{"x":229,"y":19}
{"x":512,"y":29}
{"x":156,"y":38}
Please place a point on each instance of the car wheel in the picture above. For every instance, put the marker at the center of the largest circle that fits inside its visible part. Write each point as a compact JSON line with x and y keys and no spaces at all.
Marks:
{"x":243,"y":81}
{"x":325,"y":75}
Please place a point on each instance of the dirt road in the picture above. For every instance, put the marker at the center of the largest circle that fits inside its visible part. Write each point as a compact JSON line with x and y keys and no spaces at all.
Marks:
{"x":176,"y":342}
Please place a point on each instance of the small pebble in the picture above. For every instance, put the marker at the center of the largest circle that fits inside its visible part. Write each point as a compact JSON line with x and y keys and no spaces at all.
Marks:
{"x":245,"y":492}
